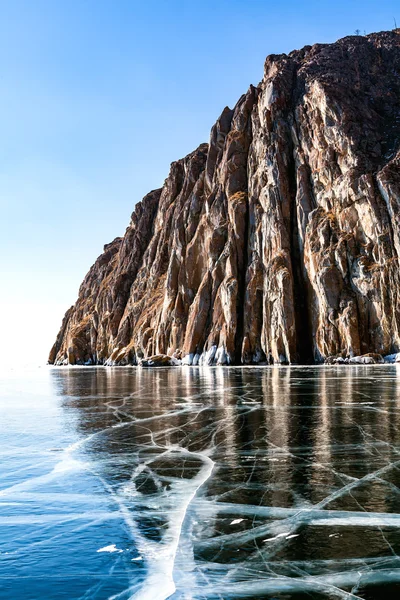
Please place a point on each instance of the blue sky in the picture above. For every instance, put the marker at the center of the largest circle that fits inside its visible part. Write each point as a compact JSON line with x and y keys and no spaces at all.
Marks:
{"x":97,"y":98}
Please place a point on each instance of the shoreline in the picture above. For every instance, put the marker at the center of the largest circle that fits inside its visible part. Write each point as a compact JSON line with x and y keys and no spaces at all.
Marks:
{"x":230,"y":367}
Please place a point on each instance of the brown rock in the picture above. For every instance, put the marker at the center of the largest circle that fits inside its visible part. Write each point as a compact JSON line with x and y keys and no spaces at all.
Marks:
{"x":278,"y":241}
{"x":159,"y":360}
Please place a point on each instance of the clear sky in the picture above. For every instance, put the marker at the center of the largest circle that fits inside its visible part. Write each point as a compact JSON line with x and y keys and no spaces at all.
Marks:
{"x":97,"y":98}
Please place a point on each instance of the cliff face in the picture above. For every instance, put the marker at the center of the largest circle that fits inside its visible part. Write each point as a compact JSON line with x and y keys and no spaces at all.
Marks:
{"x":278,"y":241}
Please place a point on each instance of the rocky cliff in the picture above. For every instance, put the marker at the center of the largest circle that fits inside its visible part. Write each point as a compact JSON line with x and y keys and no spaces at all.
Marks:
{"x":278,"y":241}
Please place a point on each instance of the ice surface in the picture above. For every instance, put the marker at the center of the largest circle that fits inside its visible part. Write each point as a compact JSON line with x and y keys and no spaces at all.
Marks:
{"x":197,"y":484}
{"x":110,"y":548}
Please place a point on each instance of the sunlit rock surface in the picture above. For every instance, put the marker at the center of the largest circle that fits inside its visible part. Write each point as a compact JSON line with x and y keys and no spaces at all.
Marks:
{"x":276,"y":242}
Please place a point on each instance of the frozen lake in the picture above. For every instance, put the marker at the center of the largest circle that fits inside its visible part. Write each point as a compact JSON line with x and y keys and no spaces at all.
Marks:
{"x":195,"y":484}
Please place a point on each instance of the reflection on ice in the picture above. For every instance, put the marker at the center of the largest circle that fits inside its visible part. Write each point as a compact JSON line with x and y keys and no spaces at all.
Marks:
{"x":216,"y":483}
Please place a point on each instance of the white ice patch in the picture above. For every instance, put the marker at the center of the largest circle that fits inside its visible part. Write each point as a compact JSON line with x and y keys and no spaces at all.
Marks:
{"x":188,"y":359}
{"x":392,"y":358}
{"x":160,"y":556}
{"x":236,"y":521}
{"x":207,"y":357}
{"x":110,"y":548}
{"x":68,"y":464}
{"x":221,"y":357}
{"x":277,"y":536}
